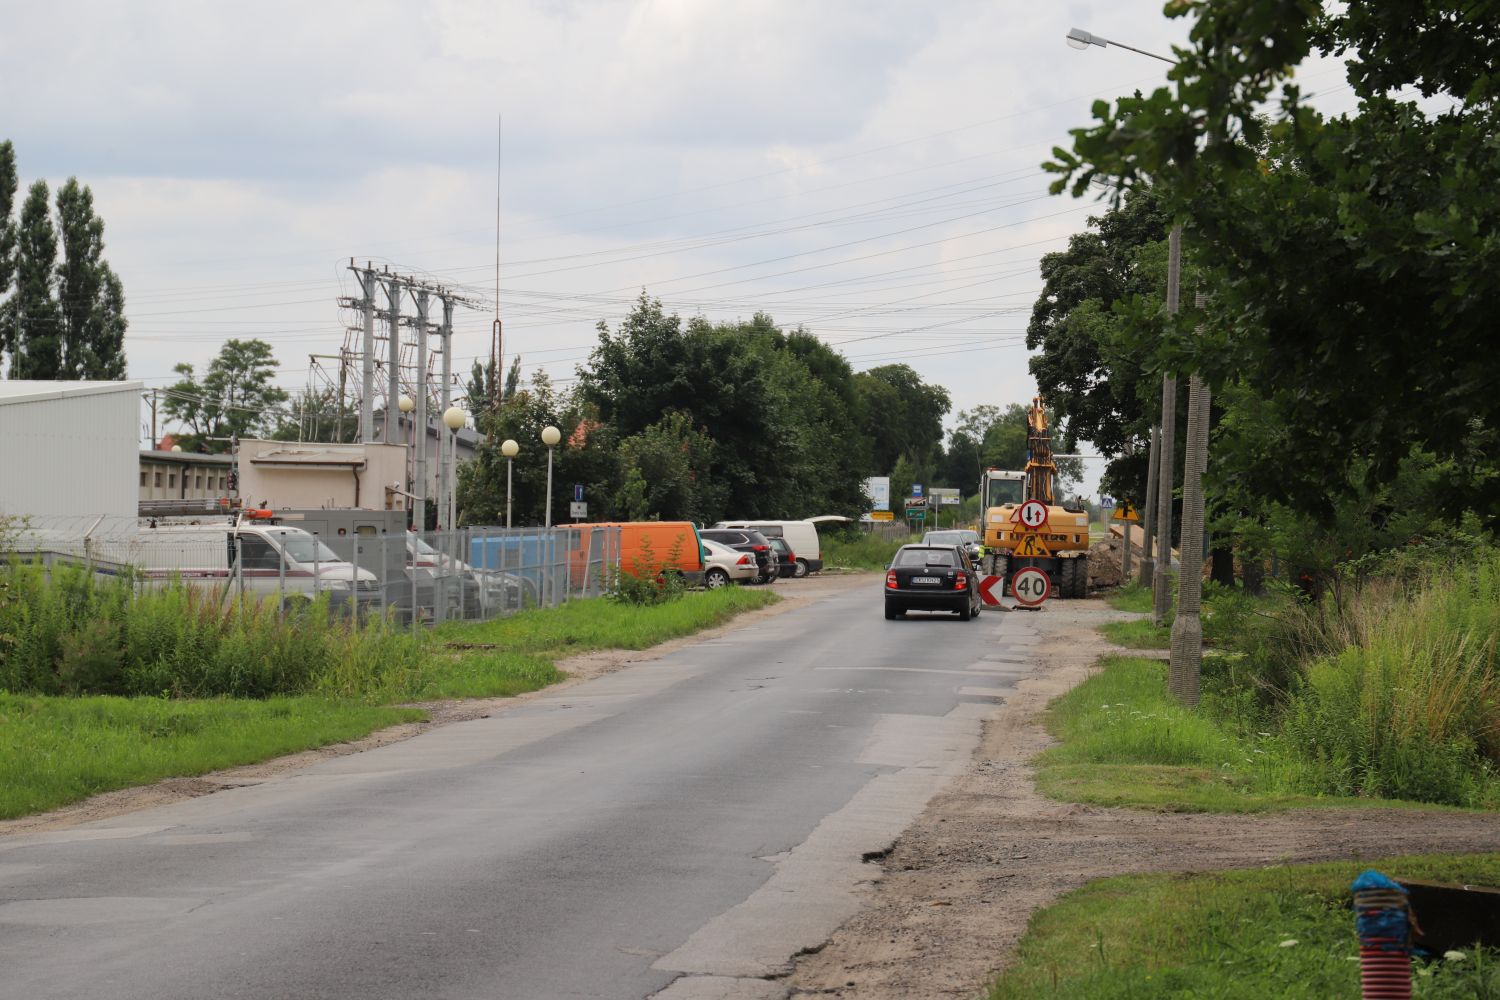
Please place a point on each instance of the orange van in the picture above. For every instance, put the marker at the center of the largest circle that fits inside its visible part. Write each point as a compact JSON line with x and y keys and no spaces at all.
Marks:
{"x":656,"y":546}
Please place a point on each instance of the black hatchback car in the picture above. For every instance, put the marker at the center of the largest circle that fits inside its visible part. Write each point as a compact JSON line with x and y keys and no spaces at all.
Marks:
{"x":751,"y":541}
{"x":932,"y":578}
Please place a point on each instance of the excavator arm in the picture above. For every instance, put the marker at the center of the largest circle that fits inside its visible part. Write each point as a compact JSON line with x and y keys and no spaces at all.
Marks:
{"x":1041,"y":470}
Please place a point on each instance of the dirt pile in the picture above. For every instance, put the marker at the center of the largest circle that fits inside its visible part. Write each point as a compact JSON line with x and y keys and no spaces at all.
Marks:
{"x":1104,"y":563}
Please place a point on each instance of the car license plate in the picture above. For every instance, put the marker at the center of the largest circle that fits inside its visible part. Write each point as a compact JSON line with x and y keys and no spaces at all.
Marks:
{"x":926,"y":579}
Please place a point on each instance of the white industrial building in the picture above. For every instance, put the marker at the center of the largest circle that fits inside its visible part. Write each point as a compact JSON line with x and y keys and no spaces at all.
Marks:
{"x":69,"y":449}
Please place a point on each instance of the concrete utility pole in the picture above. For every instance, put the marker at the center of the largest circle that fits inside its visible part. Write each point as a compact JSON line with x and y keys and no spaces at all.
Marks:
{"x":393,"y":288}
{"x":1149,"y":524}
{"x":1186,"y":664}
{"x":1161,"y":585}
{"x":445,"y":456}
{"x":367,"y":362}
{"x":419,"y":488}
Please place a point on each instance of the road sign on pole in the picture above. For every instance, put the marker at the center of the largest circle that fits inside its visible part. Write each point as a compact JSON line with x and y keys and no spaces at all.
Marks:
{"x":991,"y":589}
{"x":1125,"y":512}
{"x":916,"y":489}
{"x":1032,"y":513}
{"x":1031,"y":587}
{"x":578,"y":493}
{"x":578,"y":510}
{"x":1031,"y":547}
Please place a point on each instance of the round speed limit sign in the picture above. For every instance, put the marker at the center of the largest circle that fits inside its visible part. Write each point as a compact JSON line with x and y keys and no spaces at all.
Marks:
{"x":1031,"y":586}
{"x":1033,"y":514}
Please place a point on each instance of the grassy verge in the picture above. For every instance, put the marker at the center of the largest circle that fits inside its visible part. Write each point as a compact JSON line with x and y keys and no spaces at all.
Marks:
{"x":528,"y":643}
{"x":1137,"y":634}
{"x":56,"y":750}
{"x":867,"y":552}
{"x":1132,"y":597}
{"x":1126,"y":742}
{"x":1277,"y":932}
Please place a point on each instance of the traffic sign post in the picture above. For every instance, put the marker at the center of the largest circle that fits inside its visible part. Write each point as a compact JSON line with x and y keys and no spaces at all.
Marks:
{"x":578,"y":510}
{"x":1031,"y":587}
{"x":1125,"y":512}
{"x":991,"y":589}
{"x":578,"y":493}
{"x":1032,"y":514}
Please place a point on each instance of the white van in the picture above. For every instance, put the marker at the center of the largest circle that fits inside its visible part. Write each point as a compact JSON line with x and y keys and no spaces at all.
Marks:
{"x":802,"y":536}
{"x":261,"y":558}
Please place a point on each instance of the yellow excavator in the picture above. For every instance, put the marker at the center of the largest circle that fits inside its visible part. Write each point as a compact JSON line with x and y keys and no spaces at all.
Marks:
{"x":1061,"y":547}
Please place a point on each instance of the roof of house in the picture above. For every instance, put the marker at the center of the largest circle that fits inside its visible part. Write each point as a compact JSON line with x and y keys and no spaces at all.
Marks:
{"x":28,"y":391}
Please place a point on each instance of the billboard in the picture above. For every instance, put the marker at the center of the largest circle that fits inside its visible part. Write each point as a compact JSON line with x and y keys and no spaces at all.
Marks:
{"x":879,"y":488}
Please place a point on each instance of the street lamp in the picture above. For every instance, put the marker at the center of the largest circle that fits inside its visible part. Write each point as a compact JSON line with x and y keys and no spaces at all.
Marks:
{"x":1185,"y":666}
{"x":453,"y":418}
{"x":508,"y":448}
{"x":405,"y":405}
{"x":550,"y":436}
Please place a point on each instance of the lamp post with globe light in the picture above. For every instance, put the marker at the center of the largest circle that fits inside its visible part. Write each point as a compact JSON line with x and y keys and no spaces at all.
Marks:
{"x":406,"y":404}
{"x":508,"y":448}
{"x":453,"y":418}
{"x":550,"y":436}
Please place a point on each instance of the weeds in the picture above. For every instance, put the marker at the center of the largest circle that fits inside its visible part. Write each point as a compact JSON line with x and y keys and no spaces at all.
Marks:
{"x":868,"y":552}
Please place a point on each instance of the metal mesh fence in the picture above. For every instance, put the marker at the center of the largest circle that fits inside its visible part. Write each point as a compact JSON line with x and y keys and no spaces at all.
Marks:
{"x":470,"y":574}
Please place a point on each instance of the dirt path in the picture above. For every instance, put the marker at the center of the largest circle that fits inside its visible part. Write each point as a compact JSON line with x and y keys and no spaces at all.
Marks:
{"x":961,"y":883}
{"x":793,"y":593}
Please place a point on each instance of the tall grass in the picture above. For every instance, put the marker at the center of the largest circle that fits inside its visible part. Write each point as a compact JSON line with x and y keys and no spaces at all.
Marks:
{"x":869,"y":552}
{"x":65,"y":631}
{"x":1399,"y":695}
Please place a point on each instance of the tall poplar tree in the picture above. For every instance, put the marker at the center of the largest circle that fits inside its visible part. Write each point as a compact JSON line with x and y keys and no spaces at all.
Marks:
{"x":90,"y":295}
{"x":38,"y":325}
{"x":8,"y":184}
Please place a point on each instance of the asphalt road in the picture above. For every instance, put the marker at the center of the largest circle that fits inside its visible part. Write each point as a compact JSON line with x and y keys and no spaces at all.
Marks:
{"x":682,"y":827}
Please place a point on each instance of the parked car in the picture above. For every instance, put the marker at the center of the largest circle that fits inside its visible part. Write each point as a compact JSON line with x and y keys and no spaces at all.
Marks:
{"x":966,"y":537}
{"x":802,"y":536}
{"x":932,"y":578}
{"x":751,"y":541}
{"x":724,"y":565}
{"x":786,"y":559}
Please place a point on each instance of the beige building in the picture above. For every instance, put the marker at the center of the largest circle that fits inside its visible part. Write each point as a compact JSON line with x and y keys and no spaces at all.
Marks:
{"x":184,"y":475}
{"x":292,"y":474}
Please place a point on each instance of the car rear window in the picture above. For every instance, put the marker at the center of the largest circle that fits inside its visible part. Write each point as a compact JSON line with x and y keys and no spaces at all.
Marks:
{"x":926,"y":557}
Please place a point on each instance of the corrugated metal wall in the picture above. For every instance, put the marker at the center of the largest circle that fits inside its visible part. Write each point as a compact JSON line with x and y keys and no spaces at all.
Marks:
{"x":71,"y":455}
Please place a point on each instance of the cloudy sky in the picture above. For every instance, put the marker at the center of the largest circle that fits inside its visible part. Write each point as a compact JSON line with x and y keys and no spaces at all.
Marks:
{"x":867,"y":168}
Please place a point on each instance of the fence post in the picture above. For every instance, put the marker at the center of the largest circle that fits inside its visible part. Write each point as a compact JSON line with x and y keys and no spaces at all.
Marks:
{"x":281,"y":574}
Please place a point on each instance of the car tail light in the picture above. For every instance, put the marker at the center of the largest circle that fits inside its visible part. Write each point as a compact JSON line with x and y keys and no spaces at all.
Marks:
{"x":890,"y":580}
{"x":744,"y":560}
{"x":761,"y":548}
{"x":960,"y":581}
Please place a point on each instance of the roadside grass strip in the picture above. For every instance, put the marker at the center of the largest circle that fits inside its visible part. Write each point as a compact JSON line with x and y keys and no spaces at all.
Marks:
{"x":1137,"y":634}
{"x":1125,"y":742}
{"x":1272,"y":932}
{"x":1131,"y":597}
{"x":56,"y":750}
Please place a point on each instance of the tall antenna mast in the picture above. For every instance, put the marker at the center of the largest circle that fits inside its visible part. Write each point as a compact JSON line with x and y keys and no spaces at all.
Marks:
{"x":496,"y":333}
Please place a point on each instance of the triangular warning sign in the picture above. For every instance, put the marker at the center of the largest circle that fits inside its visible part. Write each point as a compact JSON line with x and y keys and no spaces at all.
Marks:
{"x":1031,"y":547}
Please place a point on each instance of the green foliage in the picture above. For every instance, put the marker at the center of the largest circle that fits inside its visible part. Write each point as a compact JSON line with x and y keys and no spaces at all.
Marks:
{"x":63,"y":631}
{"x":236,"y":397}
{"x":902,"y":415}
{"x":56,"y":750}
{"x":648,"y":580}
{"x":317,"y":415}
{"x":9,"y":236}
{"x":90,"y":295}
{"x":1138,"y":634}
{"x":1225,"y":935}
{"x":37,"y":323}
{"x":1387,"y":343}
{"x":856,"y":550}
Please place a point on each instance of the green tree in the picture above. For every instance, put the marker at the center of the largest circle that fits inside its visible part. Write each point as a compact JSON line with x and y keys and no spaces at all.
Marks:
{"x":235,"y":398}
{"x":902,"y":414}
{"x":37,"y":346}
{"x":586,"y":455}
{"x":1351,"y":258}
{"x":8,"y":240}
{"x":91,"y":298}
{"x":660,"y":473}
{"x":317,"y":415}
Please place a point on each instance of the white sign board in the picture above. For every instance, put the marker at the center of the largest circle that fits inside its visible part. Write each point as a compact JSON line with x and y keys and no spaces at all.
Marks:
{"x":578,"y":510}
{"x":946,"y":496}
{"x":879,"y":488}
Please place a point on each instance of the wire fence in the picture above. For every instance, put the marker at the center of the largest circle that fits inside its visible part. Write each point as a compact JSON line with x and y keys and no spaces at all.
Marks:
{"x":469,"y":574}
